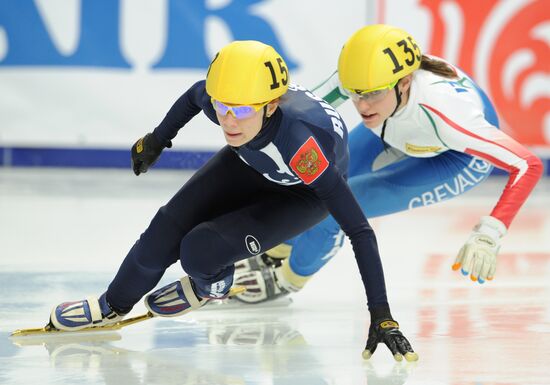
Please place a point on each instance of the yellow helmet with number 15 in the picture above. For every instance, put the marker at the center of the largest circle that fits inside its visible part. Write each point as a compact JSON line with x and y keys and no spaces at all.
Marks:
{"x":376,"y":57}
{"x":247,"y":72}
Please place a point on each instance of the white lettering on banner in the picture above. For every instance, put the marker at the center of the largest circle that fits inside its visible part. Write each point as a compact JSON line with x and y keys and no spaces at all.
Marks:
{"x":470,"y":176}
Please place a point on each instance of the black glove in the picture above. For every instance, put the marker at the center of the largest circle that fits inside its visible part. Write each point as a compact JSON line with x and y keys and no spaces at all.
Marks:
{"x":386,"y":330}
{"x":145,"y":153}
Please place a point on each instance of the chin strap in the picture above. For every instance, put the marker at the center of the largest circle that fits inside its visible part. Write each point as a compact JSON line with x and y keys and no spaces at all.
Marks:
{"x":398,"y":97}
{"x":265,"y":118}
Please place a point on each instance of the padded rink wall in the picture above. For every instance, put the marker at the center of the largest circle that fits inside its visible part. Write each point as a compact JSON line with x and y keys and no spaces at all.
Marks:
{"x":82,"y":80}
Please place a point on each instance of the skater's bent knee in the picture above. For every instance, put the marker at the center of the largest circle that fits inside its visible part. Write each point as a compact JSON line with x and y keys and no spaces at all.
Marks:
{"x":204,"y":250}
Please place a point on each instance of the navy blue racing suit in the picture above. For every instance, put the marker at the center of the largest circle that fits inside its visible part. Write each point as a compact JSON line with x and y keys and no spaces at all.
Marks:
{"x":248,"y":199}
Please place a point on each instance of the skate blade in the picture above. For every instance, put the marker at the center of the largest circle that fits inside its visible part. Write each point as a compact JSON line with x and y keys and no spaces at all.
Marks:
{"x":232,"y":303}
{"x":236,"y":290}
{"x":49,"y":329}
{"x":52,"y":339}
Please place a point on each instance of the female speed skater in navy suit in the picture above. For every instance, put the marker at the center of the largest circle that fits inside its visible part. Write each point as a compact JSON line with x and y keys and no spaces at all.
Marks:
{"x":284,"y":169}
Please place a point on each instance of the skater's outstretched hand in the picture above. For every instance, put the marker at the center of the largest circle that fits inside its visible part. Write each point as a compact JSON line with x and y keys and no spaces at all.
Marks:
{"x":145,"y":153}
{"x":387,"y":331}
{"x":478,"y":257}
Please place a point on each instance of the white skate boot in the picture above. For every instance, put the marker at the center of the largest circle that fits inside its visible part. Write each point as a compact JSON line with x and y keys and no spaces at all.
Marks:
{"x":268,"y":283}
{"x":89,"y":312}
{"x":174,"y":299}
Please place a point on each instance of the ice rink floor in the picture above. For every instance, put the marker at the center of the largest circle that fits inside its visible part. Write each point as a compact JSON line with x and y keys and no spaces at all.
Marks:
{"x":63,"y":234}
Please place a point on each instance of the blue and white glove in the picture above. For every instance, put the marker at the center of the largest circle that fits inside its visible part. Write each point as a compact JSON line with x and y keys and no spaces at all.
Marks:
{"x":478,"y":256}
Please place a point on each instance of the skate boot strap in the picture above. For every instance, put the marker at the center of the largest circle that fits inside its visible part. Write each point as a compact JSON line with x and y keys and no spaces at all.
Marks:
{"x":190,"y":293}
{"x":95,"y":310}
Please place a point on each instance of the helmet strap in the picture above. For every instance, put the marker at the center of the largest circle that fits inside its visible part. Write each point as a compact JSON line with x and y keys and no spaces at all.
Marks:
{"x":398,"y":97}
{"x":265,"y":117}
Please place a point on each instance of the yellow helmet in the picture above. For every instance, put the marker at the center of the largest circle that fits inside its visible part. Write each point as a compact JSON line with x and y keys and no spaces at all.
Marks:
{"x":247,"y":72}
{"x":377,"y":56}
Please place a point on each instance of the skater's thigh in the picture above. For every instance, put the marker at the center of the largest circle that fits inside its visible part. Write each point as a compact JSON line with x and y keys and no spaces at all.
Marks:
{"x":224,"y":184}
{"x":281,"y":214}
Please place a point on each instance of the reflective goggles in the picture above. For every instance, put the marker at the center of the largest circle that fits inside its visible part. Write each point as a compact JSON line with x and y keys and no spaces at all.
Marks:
{"x":374,"y":95}
{"x":239,"y":112}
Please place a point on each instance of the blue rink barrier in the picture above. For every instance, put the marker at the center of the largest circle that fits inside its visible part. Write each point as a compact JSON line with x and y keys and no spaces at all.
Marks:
{"x":116,"y":158}
{"x":95,"y":158}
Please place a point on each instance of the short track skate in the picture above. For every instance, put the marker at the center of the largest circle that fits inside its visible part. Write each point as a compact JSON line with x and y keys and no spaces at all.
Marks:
{"x":49,"y":328}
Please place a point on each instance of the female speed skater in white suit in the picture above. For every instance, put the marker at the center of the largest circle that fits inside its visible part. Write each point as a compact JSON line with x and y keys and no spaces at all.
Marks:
{"x":428,"y":134}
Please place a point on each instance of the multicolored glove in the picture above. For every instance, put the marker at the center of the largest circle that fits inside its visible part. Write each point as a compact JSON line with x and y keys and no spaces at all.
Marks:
{"x":387,"y":331}
{"x":145,"y":153}
{"x":478,"y":257}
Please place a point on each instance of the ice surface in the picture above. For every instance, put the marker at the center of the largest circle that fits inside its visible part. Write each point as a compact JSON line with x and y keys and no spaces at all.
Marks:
{"x":64,"y":233}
